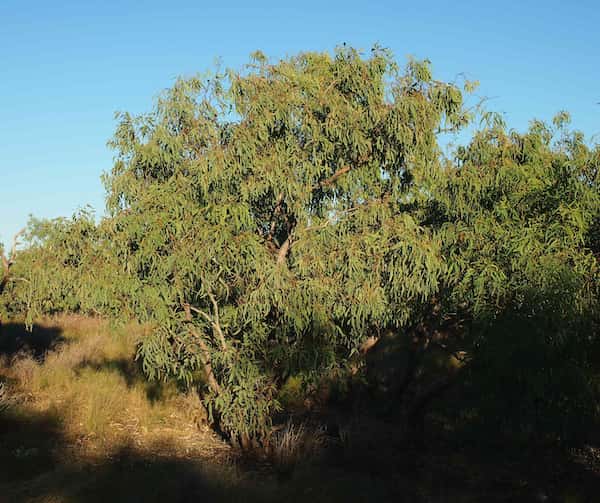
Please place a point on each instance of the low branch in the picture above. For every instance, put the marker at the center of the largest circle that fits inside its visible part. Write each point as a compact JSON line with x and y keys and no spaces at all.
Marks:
{"x":216,"y":323}
{"x":213,"y":321}
{"x":204,"y":350}
{"x":206,"y":362}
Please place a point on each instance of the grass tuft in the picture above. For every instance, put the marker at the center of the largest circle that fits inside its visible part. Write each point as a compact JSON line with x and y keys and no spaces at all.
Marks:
{"x":293,"y":444}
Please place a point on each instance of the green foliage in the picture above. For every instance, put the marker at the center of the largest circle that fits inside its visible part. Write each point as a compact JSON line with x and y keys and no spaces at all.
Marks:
{"x":268,"y":222}
{"x":516,"y":216}
{"x":68,"y":266}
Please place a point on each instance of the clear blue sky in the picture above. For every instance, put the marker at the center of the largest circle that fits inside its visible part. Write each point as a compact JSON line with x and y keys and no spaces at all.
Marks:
{"x":67,"y":65}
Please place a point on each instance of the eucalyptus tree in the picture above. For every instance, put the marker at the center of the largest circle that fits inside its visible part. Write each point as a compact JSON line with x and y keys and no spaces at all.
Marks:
{"x":65,"y":265}
{"x":266,"y":217}
{"x":517,"y":218}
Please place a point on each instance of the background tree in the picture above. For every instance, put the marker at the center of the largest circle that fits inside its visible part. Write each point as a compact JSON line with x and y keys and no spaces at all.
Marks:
{"x":66,"y":265}
{"x":515,"y":217}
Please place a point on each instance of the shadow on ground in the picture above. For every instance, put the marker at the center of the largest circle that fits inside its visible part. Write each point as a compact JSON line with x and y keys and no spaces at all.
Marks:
{"x":132,"y":373}
{"x":39,"y":463}
{"x":15,"y":339}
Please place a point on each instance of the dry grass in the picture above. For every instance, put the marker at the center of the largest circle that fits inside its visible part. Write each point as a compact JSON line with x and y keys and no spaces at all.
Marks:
{"x":6,"y":399}
{"x":295,"y":443}
{"x":90,"y":380}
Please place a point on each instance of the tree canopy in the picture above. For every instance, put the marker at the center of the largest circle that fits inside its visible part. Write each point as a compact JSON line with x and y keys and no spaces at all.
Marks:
{"x":281,"y":220}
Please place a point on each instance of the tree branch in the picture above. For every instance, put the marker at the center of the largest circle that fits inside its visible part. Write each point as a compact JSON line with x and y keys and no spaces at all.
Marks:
{"x":205,"y":315}
{"x":274,"y":213}
{"x":216,"y":321}
{"x":285,"y":247}
{"x":204,"y":350}
{"x":342,"y":171}
{"x":283,"y":250}
{"x":335,"y":176}
{"x":206,"y":362}
{"x":15,"y":243}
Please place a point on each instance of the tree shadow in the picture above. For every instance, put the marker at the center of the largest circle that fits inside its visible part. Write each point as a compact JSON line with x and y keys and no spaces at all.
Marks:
{"x":15,"y":339}
{"x":39,"y":462}
{"x":27,"y":444}
{"x":132,"y":373}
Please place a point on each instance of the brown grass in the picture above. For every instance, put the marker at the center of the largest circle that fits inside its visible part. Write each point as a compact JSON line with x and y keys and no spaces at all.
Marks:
{"x":91,"y":381}
{"x":295,"y":443}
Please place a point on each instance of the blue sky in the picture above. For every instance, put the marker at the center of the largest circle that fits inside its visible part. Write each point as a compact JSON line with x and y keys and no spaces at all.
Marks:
{"x":67,"y":66}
